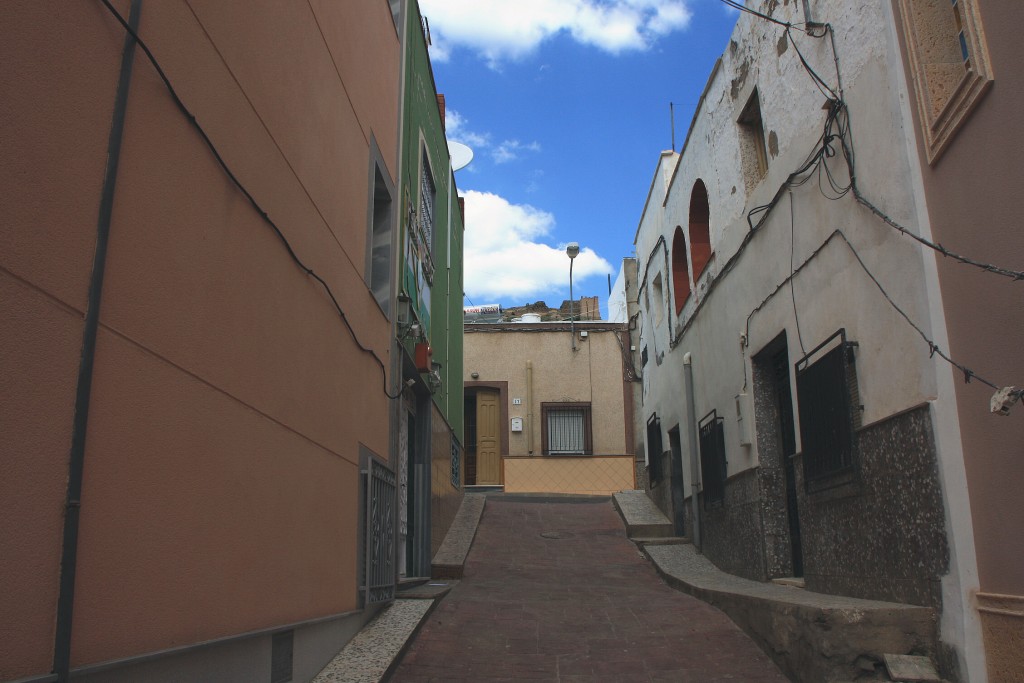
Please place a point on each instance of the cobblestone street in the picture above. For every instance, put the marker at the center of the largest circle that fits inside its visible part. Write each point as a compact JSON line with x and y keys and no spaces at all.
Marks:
{"x":554,"y":591}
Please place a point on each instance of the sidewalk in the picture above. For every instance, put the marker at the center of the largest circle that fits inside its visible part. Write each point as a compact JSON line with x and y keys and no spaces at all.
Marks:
{"x":812,"y":636}
{"x":555,"y":591}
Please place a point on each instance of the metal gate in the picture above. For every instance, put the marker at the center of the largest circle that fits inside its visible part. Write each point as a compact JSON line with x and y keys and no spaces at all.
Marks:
{"x":379,"y":534}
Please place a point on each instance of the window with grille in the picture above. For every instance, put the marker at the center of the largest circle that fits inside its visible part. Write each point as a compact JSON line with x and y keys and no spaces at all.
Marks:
{"x":713,"y":465}
{"x":428,"y":195}
{"x":566,"y":429}
{"x":829,"y":407}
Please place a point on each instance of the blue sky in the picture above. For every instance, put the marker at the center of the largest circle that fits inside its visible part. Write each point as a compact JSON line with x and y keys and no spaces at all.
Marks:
{"x":566,"y":106}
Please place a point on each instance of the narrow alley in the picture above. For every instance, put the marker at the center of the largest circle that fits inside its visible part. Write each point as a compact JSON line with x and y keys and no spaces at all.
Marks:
{"x":555,"y":591}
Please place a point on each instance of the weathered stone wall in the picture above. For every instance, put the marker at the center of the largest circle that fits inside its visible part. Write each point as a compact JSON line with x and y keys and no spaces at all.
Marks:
{"x":732,"y":535}
{"x":660,"y":490}
{"x":883,"y":536}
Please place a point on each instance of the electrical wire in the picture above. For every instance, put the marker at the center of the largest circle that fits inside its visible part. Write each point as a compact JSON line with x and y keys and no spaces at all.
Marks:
{"x":792,"y":287}
{"x":836,"y":127}
{"x":743,"y":8}
{"x":933,"y":349}
{"x":252,"y":200}
{"x":835,"y":95}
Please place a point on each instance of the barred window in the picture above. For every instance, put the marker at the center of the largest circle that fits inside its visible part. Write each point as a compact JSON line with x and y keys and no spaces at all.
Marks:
{"x":427,"y":197}
{"x":713,"y":465}
{"x":566,"y":429}
{"x":829,"y":405}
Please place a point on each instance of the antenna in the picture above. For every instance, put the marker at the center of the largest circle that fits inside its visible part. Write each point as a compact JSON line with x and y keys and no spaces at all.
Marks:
{"x":461,"y":155}
{"x":672,"y":119}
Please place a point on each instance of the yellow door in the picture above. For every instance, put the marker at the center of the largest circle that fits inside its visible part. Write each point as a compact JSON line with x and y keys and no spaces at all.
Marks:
{"x":488,"y":458}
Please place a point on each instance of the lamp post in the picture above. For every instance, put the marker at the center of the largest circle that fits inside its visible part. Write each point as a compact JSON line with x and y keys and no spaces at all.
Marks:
{"x":572,"y":250}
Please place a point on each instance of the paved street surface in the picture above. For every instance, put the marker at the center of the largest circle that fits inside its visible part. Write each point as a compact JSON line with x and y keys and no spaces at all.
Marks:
{"x":554,"y":591}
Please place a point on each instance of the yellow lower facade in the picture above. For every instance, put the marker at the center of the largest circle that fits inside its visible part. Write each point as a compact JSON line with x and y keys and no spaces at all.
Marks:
{"x":592,"y":475}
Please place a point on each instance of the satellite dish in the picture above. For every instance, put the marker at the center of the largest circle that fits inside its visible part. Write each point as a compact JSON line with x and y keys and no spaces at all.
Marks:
{"x":461,"y":155}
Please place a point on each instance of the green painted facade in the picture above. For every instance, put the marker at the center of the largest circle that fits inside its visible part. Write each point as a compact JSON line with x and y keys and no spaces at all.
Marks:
{"x":431,"y":236}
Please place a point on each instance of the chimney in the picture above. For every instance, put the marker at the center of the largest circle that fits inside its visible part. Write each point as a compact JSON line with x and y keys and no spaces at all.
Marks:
{"x":440,"y":107}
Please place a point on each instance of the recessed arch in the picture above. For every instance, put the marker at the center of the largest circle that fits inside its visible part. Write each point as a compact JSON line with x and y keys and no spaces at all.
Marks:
{"x":680,"y":276}
{"x":700,"y":231}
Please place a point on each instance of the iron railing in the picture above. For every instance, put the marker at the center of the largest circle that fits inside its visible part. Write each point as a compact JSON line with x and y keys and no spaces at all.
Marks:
{"x":379,"y":534}
{"x":456,"y":465}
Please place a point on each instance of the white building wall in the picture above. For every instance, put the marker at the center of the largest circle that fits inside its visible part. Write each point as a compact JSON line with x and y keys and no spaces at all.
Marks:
{"x":725,"y":323}
{"x":833,"y":291}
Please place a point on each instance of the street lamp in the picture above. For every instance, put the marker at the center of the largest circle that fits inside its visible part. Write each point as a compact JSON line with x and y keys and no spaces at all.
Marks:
{"x":572,"y":250}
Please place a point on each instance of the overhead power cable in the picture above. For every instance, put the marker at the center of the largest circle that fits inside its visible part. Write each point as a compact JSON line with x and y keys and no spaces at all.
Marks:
{"x":837,"y":127}
{"x":252,"y":200}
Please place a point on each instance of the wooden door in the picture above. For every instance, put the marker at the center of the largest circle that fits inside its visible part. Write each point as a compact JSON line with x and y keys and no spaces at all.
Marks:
{"x":488,"y":422}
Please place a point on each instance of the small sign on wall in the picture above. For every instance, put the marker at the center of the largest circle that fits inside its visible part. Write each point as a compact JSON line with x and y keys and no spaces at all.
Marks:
{"x":517,"y":401}
{"x":517,"y":424}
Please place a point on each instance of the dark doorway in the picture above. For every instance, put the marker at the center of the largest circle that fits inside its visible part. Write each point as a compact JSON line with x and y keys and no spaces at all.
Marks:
{"x":678,"y":492}
{"x":787,"y":431}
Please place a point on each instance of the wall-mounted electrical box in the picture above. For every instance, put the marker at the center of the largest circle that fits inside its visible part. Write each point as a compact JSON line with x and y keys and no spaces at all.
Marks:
{"x":743,"y":417}
{"x":517,"y":424}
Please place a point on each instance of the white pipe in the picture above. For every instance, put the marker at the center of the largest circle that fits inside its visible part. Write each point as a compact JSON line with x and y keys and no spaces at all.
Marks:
{"x":691,"y":419}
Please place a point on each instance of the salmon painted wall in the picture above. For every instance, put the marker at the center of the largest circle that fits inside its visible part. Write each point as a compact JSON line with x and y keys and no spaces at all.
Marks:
{"x":229,"y":399}
{"x":971,"y":191}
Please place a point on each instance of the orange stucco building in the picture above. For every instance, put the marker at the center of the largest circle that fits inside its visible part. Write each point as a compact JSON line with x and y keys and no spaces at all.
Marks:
{"x":216,"y":377}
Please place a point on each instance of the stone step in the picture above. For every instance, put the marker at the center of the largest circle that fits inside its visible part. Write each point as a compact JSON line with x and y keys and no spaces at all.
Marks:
{"x":450,"y":559}
{"x":661,"y":540}
{"x":811,"y":636}
{"x":791,"y":581}
{"x":911,"y":669}
{"x":426,"y":591}
{"x":642,"y":517}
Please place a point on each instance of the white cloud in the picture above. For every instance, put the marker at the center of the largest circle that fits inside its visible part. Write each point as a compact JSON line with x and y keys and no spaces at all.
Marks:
{"x":505,"y":256}
{"x":510,"y":150}
{"x":500,"y":30}
{"x":456,"y":129}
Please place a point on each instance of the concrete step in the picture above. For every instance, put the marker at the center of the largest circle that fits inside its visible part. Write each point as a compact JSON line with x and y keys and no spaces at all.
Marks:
{"x":907,"y":668}
{"x":450,"y":559}
{"x":661,"y":540}
{"x":642,"y":517}
{"x":426,"y":591}
{"x":813,"y":637}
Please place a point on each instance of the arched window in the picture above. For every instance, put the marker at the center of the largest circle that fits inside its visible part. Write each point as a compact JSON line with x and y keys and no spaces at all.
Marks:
{"x":700,"y":234}
{"x":680,"y":278}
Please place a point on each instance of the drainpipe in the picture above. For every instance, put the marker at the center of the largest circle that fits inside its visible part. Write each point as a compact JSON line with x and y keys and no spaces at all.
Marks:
{"x":691,"y":419}
{"x":76,"y":459}
{"x":529,"y":405}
